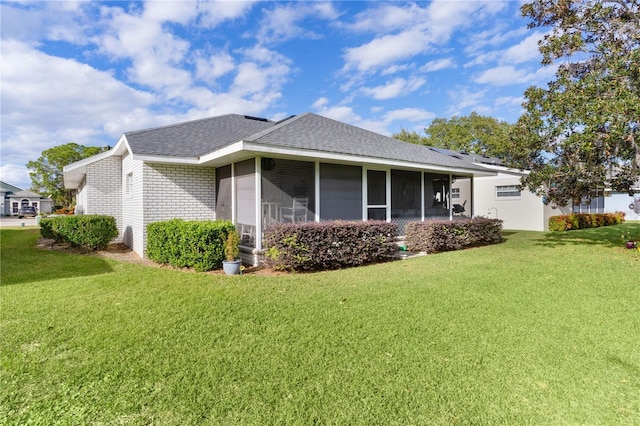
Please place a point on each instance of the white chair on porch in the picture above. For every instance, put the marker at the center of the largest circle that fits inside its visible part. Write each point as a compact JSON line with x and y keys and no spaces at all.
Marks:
{"x":298,"y":212}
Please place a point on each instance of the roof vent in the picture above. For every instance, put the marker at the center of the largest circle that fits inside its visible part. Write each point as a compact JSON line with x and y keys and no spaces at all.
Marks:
{"x":285,"y":119}
{"x":249,"y":117}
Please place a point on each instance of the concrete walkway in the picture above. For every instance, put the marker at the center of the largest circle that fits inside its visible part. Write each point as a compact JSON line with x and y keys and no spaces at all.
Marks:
{"x":14,"y":222}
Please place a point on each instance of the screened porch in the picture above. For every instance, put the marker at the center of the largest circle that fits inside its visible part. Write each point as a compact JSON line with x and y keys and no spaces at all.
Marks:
{"x":258,"y":192}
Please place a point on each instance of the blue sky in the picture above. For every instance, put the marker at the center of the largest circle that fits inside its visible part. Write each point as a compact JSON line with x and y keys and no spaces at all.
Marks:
{"x":86,"y":72}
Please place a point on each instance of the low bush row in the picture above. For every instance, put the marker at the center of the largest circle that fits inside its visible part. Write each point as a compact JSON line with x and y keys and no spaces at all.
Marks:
{"x":438,"y":236}
{"x":315,"y":246}
{"x":180,"y":243}
{"x":584,"y":220}
{"x":90,"y":231}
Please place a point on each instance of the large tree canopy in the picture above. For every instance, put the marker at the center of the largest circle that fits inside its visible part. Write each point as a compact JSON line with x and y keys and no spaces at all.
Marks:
{"x":473,"y":133}
{"x":580,"y":133}
{"x":46,"y":172}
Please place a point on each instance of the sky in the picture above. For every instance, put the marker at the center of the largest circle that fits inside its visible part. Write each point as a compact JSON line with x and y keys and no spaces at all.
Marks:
{"x":87,"y":72}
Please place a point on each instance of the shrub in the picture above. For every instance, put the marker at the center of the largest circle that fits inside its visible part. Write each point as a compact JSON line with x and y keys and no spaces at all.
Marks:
{"x":438,"y":236}
{"x":583,"y":221}
{"x":317,"y":246}
{"x":90,"y":231}
{"x":197,"y":244}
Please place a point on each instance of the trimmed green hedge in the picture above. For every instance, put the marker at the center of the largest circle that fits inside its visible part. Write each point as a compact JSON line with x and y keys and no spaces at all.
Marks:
{"x":91,"y":231}
{"x":584,"y":220}
{"x":179,"y":243}
{"x":318,"y":246}
{"x":438,"y":236}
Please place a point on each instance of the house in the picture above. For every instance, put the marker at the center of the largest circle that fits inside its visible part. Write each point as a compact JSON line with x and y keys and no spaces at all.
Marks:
{"x":499,"y":196}
{"x":13,"y":198}
{"x":255,"y":171}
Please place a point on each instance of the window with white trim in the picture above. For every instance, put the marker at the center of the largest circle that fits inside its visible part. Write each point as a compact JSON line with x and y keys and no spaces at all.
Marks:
{"x":455,"y":193}
{"x":504,"y":191}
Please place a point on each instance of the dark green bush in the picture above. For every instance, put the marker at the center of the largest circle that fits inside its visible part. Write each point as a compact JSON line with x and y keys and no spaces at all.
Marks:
{"x":438,"y":236}
{"x":584,"y":220}
{"x":179,"y":243}
{"x":90,"y":231}
{"x":315,"y":246}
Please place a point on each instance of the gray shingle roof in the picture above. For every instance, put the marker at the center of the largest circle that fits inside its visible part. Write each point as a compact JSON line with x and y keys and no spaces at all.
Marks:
{"x":317,"y":133}
{"x":307,"y":132}
{"x":195,"y":138}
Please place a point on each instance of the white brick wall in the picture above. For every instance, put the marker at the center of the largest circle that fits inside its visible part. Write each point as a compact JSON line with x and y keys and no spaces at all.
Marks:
{"x":132,"y":204}
{"x":102,"y":190}
{"x":177,"y":191}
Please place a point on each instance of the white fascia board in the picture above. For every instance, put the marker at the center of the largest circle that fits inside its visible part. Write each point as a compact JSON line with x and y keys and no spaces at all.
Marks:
{"x":351,"y":159}
{"x":223,"y":152}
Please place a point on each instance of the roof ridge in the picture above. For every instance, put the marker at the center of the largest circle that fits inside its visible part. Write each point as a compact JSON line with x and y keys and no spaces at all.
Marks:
{"x":183,"y":123}
{"x":278,"y":125}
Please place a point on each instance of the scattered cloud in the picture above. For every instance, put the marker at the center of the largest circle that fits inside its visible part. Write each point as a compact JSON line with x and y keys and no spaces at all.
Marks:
{"x":395,"y":88}
{"x":438,"y":64}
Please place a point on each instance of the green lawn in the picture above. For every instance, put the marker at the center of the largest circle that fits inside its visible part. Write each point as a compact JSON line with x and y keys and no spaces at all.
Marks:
{"x":542,"y":329}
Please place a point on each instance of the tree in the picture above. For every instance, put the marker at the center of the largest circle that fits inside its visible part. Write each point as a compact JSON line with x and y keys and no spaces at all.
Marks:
{"x":46,"y":173}
{"x":473,"y":133}
{"x":579,"y":134}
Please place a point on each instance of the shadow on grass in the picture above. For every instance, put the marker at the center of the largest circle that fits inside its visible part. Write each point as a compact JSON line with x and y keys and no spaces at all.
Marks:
{"x":606,"y":236}
{"x":22,"y":262}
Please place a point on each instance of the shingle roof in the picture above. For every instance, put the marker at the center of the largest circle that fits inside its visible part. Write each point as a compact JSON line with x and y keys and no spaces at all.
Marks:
{"x":195,"y":138}
{"x":308,"y":131}
{"x":317,"y":133}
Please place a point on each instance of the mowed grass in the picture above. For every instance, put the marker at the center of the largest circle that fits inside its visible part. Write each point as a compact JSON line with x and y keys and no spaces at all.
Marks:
{"x":542,"y":329}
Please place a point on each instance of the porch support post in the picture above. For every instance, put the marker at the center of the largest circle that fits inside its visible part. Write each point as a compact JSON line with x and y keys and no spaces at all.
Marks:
{"x":449,"y":197}
{"x":234,"y":219}
{"x":317,"y":192}
{"x":258,"y":201}
{"x":472,"y":198}
{"x":365,"y":195}
{"x":422,"y":200}
{"x":388,"y":193}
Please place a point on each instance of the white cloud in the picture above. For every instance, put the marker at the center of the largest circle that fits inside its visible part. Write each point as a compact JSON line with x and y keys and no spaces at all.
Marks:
{"x":505,"y":75}
{"x":394,"y":88}
{"x":465,"y":100}
{"x":49,"y":101}
{"x":212,"y":13}
{"x":284,"y":22}
{"x":379,"y":124}
{"x":211,"y":68}
{"x":433,"y":27}
{"x":525,"y":51}
{"x":438,"y":64}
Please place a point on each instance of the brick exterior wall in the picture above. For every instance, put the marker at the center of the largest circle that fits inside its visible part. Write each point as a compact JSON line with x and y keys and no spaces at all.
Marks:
{"x":132,"y":204}
{"x":101,"y":192}
{"x":177,"y":191}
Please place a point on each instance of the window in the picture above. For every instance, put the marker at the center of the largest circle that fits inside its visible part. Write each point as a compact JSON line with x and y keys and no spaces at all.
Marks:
{"x":455,"y":192}
{"x":507,"y":191}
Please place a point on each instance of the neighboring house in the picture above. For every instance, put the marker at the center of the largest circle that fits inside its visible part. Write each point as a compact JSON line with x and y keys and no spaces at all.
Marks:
{"x":254,"y":172}
{"x":13,"y":198}
{"x":499,"y":196}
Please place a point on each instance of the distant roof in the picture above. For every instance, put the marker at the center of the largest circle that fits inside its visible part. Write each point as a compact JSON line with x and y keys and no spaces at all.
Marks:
{"x":471,"y":156}
{"x":7,"y":187}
